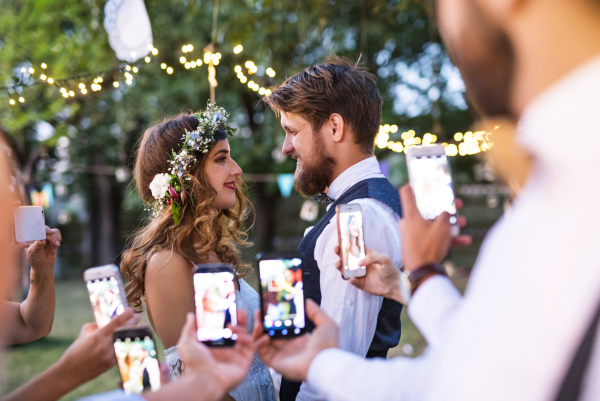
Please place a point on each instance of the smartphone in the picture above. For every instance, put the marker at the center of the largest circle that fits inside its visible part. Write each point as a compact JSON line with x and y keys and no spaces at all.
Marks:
{"x":137,"y":360}
{"x":106,"y":292}
{"x":281,"y":294}
{"x":431,"y":182}
{"x":214,"y":297}
{"x":351,"y":239}
{"x":29,"y":224}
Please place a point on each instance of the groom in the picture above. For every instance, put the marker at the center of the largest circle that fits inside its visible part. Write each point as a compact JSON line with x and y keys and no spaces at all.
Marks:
{"x":331,"y":114}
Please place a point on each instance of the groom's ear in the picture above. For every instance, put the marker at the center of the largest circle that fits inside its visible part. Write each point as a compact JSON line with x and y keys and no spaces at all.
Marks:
{"x":338,"y":127}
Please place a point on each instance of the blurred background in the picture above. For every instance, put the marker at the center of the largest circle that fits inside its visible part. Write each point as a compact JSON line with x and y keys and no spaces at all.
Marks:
{"x":72,"y":135}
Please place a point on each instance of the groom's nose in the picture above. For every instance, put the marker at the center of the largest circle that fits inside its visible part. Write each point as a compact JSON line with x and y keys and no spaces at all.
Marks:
{"x":288,"y":148}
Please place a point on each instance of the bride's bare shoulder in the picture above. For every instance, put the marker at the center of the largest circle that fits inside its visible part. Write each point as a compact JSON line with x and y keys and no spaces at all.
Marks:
{"x":167,"y":260}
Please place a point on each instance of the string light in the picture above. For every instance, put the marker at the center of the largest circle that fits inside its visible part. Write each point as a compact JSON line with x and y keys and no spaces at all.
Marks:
{"x":135,"y":70}
{"x":182,"y":60}
{"x":169,"y":70}
{"x":50,"y":81}
{"x":116,"y":84}
{"x":472,"y":142}
{"x":21,"y":99}
{"x":147,"y":59}
{"x":12,"y":102}
{"x":238,"y":49}
{"x":163,"y":66}
{"x":43,"y":77}
{"x":44,"y":66}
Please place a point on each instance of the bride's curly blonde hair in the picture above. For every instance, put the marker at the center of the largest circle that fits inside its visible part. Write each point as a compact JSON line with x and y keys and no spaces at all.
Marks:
{"x":201,"y":230}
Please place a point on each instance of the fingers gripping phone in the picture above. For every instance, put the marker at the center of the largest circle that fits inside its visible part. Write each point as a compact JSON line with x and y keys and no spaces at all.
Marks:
{"x":29,"y":224}
{"x":214,"y":298}
{"x":137,"y":360}
{"x":351,"y":240}
{"x":281,"y":294}
{"x":106,"y":292}
{"x":431,"y":182}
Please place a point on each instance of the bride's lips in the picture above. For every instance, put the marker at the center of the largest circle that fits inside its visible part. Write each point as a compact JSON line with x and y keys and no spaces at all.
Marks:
{"x":230,"y":185}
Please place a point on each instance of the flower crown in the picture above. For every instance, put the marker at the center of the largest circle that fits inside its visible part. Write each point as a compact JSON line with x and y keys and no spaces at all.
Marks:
{"x":169,"y":189}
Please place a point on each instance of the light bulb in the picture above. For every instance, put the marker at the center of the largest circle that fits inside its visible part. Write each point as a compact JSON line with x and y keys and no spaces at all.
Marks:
{"x":169,"y":70}
{"x":238,"y":49}
{"x":116,"y":84}
{"x":44,"y":66}
{"x":50,"y":81}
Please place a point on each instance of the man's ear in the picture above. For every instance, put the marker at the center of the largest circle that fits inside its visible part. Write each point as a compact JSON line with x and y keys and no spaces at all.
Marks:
{"x":338,"y":126}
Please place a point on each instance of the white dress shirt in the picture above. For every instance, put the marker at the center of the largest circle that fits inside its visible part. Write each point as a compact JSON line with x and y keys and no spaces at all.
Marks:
{"x":353,"y":310}
{"x":533,"y":290}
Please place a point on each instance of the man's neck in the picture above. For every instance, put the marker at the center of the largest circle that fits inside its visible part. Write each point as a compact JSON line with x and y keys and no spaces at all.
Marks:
{"x":551,"y":39}
{"x":344,"y":163}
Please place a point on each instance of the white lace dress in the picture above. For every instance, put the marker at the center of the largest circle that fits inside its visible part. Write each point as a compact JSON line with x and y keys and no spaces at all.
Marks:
{"x":257,"y":385}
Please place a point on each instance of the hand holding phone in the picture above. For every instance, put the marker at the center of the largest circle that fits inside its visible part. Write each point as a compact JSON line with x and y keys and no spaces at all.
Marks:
{"x":282,"y":294}
{"x":107,"y":294}
{"x":214,"y":293}
{"x":351,"y":239}
{"x":431,"y":182}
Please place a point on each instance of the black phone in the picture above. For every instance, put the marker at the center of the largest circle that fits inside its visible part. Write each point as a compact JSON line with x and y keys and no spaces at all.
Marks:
{"x":281,"y":294}
{"x":137,"y":360}
{"x":214,"y":299}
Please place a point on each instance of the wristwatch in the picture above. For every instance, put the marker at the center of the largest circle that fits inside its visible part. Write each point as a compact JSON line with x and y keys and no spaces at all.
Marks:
{"x":411,"y":280}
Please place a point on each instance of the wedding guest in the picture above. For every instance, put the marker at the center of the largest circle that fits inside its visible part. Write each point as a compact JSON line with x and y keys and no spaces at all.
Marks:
{"x":331,"y":114}
{"x":33,"y":318}
{"x":527,"y":326}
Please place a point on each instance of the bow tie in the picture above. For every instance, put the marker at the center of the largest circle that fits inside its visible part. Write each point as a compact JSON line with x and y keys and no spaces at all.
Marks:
{"x":322,"y":198}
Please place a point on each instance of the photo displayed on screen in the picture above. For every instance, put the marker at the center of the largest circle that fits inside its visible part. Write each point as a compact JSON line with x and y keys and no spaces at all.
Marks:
{"x":138,"y":365}
{"x":282,"y":295}
{"x":353,"y":244}
{"x":215,"y":305}
{"x":432,"y":185}
{"x":106,"y":299}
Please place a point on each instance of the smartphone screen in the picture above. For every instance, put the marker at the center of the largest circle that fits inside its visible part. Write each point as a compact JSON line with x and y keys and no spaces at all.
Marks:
{"x":282,"y":296}
{"x":215,"y":307}
{"x":105,"y":296}
{"x":432,"y":185}
{"x":138,"y":364}
{"x":351,"y":239}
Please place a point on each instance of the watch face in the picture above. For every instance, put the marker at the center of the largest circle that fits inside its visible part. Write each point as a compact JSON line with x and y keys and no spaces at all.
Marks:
{"x":405,"y":288}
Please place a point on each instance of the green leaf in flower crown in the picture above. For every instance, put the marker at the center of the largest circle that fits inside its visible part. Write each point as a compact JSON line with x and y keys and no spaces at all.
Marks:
{"x":175,"y":209}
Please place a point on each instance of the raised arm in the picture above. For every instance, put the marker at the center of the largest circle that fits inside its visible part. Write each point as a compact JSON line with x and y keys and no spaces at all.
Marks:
{"x":33,"y":318}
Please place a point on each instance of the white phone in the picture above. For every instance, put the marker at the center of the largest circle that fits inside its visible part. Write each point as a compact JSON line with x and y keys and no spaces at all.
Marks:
{"x":107,"y":294}
{"x":431,"y":182}
{"x":30,"y":224}
{"x":351,"y":239}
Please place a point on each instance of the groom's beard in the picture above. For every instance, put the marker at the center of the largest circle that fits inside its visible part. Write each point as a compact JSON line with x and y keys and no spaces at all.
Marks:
{"x":313,"y":176}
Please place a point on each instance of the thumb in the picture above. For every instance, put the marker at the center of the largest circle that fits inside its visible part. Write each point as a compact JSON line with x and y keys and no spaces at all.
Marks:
{"x":117,"y":321}
{"x":408,"y":202}
{"x":188,"y":333}
{"x":315,"y":313}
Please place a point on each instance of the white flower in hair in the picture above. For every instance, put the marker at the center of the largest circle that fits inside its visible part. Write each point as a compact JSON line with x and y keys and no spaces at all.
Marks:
{"x":160,"y":185}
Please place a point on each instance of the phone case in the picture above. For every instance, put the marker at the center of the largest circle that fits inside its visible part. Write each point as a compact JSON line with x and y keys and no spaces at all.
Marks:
{"x":29,"y":224}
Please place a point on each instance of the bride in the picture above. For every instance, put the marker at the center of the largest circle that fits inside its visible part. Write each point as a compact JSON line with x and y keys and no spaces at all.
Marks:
{"x":185,"y":172}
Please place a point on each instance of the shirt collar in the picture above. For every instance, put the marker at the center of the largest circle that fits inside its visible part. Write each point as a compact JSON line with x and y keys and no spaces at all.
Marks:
{"x":560,"y":126}
{"x":352,"y":175}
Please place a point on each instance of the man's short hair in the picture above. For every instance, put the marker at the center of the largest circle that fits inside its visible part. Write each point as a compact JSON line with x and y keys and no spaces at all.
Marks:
{"x":338,"y":86}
